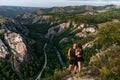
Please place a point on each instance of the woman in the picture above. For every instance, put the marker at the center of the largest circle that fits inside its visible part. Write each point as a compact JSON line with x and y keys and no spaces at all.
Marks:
{"x":79,"y":54}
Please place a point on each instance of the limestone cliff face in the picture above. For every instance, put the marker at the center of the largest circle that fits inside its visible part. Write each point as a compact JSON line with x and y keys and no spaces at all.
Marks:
{"x":14,"y":26}
{"x":29,"y":18}
{"x":3,"y":50}
{"x":13,"y":45}
{"x":12,"y":41}
{"x":16,"y":44}
{"x":56,"y":30}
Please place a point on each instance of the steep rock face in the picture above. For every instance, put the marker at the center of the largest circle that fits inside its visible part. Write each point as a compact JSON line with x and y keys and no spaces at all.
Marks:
{"x":57,"y":30}
{"x":3,"y":50}
{"x":12,"y":41}
{"x":16,"y":44}
{"x":13,"y":25}
{"x":29,"y":18}
{"x":13,"y":45}
{"x":64,"y":40}
{"x":41,"y":19}
{"x":90,"y":31}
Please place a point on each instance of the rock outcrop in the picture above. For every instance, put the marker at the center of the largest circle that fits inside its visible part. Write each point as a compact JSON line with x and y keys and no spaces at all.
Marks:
{"x":57,"y":30}
{"x":87,"y":32}
{"x":12,"y":41}
{"x":16,"y":45}
{"x":3,"y":50}
{"x":15,"y":26}
{"x":29,"y":18}
{"x":41,"y":19}
{"x":64,"y":40}
{"x":13,"y":45}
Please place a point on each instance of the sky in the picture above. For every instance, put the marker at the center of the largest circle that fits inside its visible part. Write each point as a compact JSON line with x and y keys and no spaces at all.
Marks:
{"x":52,"y":3}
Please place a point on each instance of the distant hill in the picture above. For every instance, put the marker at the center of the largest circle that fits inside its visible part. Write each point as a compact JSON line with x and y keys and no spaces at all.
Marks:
{"x":75,"y":9}
{"x":66,"y":9}
{"x":12,"y":11}
{"x":31,"y":39}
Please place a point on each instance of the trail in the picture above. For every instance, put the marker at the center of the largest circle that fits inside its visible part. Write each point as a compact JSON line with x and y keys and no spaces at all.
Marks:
{"x":39,"y":76}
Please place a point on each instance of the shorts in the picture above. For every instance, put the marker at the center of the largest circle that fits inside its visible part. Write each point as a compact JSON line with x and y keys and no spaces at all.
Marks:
{"x":80,"y":59}
{"x":73,"y":62}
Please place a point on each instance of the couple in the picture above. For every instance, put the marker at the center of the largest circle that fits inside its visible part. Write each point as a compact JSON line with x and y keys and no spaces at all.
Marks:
{"x":75,"y":55}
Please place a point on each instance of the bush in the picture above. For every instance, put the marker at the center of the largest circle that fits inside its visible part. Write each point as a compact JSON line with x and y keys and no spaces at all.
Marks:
{"x":109,"y":33}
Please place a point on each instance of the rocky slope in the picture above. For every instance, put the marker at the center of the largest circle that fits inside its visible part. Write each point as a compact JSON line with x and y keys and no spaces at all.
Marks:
{"x":13,"y":45}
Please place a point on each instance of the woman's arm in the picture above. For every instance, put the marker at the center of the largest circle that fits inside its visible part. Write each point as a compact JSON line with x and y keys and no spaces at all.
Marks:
{"x":69,"y":53}
{"x":76,"y":53}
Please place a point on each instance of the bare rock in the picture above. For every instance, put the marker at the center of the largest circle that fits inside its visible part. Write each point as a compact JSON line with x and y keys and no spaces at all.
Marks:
{"x":64,"y":40}
{"x":57,"y":30}
{"x":40,"y":11}
{"x":74,"y":24}
{"x":41,"y":19}
{"x":3,"y":49}
{"x":16,"y":44}
{"x":15,"y":26}
{"x":81,"y":34}
{"x":90,"y":29}
{"x":89,"y":44}
{"x":87,"y":32}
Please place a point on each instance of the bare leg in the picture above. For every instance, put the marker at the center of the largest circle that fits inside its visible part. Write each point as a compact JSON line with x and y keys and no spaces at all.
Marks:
{"x":79,"y":66}
{"x":70,"y":67}
{"x":75,"y":68}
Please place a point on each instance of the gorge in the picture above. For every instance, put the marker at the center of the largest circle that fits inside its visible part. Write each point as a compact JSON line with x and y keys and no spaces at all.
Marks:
{"x":33,"y":46}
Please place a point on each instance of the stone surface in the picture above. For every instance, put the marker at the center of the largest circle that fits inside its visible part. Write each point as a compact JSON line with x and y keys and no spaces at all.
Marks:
{"x":12,"y":41}
{"x":64,"y":40}
{"x":16,"y":44}
{"x":57,"y":30}
{"x":3,"y":50}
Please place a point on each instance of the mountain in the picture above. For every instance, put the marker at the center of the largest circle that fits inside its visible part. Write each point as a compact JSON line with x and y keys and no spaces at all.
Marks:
{"x":75,"y":9}
{"x":48,"y":33}
{"x":12,"y":11}
{"x":98,"y":33}
{"x":67,"y":9}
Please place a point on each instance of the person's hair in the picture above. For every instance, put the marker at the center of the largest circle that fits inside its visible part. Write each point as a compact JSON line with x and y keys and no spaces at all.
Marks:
{"x":79,"y":46}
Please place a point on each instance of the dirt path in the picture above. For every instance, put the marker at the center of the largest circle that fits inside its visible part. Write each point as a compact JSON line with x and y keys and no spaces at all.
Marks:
{"x":87,"y":77}
{"x":84,"y":75}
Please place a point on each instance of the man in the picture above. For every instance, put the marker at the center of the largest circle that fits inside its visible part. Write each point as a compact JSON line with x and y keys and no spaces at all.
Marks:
{"x":72,"y":57}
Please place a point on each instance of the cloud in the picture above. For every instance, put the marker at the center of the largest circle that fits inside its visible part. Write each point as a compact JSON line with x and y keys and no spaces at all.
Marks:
{"x":51,"y":3}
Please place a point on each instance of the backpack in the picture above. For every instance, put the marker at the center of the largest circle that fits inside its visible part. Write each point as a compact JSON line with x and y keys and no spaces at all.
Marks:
{"x":72,"y":54}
